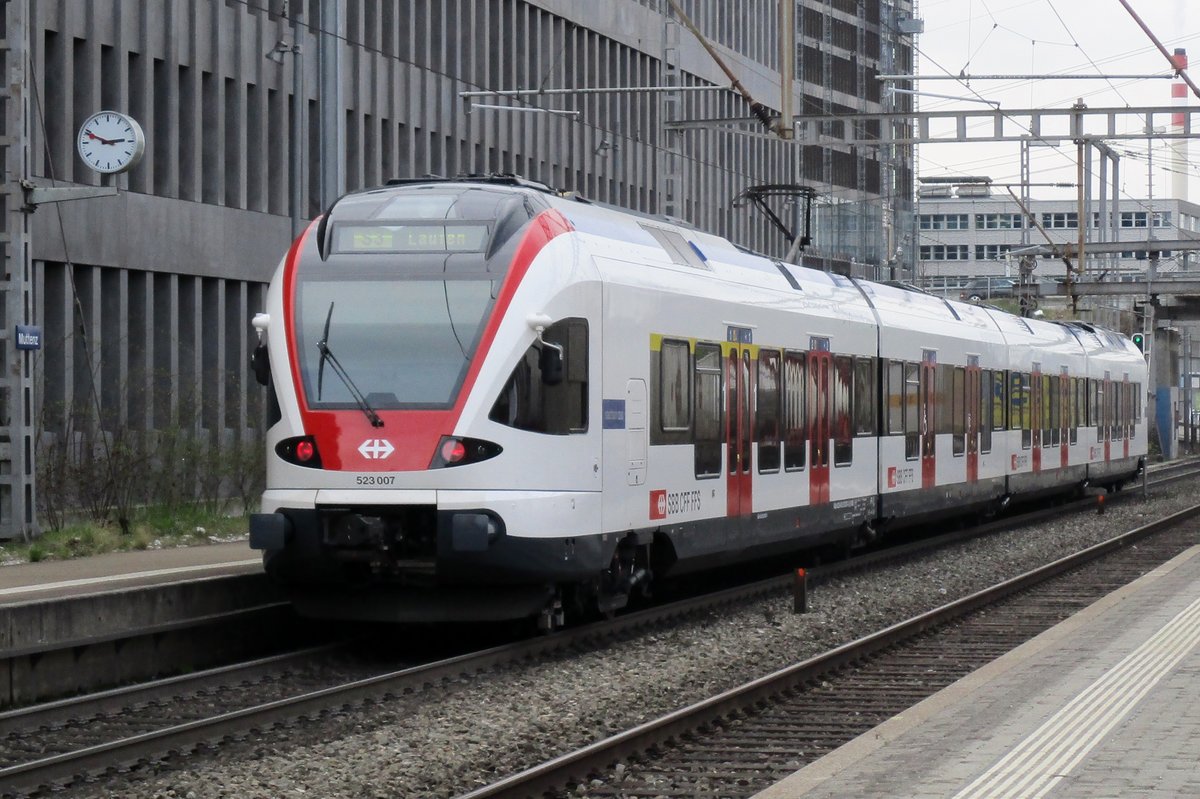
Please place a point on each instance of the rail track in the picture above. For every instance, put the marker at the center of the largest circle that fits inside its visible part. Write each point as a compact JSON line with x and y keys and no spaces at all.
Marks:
{"x":743,"y":740}
{"x":63,"y":742}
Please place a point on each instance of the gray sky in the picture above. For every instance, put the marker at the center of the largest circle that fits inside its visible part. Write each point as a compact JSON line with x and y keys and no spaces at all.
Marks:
{"x":1045,"y":37}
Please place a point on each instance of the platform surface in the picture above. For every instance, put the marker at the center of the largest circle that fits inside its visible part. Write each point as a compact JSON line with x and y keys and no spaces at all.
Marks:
{"x":1104,"y":704}
{"x":51,"y":579}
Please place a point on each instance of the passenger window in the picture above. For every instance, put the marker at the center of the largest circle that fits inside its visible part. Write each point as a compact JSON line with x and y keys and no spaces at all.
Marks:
{"x":843,"y":382}
{"x":1118,"y":411}
{"x":1074,"y":409}
{"x":1024,"y":404}
{"x":912,"y":411}
{"x":674,"y":395}
{"x":528,"y":402}
{"x":944,"y":399}
{"x":766,"y":416}
{"x":1046,"y":408}
{"x":987,"y":409}
{"x":708,"y":410}
{"x":958,"y":410}
{"x":795,"y":449}
{"x":895,"y":398}
{"x":1056,"y":403}
{"x":865,"y":394}
{"x":999,"y":401}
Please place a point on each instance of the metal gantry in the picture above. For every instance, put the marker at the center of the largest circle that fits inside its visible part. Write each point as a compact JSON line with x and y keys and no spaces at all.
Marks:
{"x":980,"y":125}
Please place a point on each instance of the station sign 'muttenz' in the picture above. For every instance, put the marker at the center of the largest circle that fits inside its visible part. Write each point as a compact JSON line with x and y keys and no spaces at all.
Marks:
{"x":29,"y":337}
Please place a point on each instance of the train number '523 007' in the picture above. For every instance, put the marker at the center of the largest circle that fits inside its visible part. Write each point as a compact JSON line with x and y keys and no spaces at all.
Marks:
{"x":375,"y":480}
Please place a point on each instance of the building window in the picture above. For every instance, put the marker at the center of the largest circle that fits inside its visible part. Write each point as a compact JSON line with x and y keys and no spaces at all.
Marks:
{"x":1138,"y":219}
{"x":945,"y":222}
{"x":990,"y":252}
{"x":1061,"y":220}
{"x":944,"y":252}
{"x":1142,"y":255}
{"x":998,"y":221}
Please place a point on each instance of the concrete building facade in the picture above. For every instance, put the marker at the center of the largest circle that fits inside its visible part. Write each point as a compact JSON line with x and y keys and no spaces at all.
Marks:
{"x":144,"y":298}
{"x":975,"y":233}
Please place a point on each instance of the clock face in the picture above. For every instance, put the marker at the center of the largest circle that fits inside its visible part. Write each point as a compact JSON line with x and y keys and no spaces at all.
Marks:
{"x":110,"y":142}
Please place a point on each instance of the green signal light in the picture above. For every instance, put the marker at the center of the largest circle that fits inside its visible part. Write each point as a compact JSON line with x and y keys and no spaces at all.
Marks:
{"x":1139,"y":342}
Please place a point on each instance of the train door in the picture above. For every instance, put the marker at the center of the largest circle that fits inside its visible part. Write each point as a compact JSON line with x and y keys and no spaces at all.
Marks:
{"x":973,"y":403}
{"x":1035,"y":407}
{"x":820,"y":365}
{"x":928,"y":411}
{"x":738,"y":431}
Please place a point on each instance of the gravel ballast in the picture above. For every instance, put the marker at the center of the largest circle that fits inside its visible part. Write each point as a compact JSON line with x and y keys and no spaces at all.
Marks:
{"x":462,"y":734}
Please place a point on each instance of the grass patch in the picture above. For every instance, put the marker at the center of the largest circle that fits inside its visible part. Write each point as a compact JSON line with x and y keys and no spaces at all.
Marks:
{"x":152,"y":528}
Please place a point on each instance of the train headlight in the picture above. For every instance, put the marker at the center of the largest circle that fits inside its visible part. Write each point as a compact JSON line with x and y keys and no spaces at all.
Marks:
{"x":301,"y":451}
{"x":305,"y":451}
{"x":455,"y":451}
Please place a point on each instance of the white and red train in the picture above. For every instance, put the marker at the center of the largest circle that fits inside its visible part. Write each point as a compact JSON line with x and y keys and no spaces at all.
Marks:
{"x":493,"y":401}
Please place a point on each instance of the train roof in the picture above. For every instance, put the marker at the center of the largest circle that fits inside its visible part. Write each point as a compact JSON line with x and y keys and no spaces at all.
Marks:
{"x":897,"y":304}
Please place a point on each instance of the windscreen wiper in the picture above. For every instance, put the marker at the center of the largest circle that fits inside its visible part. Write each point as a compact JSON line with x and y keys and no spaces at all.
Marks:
{"x":327,"y":355}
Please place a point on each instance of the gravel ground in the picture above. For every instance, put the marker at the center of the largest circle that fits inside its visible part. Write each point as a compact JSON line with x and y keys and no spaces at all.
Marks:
{"x":447,"y":739}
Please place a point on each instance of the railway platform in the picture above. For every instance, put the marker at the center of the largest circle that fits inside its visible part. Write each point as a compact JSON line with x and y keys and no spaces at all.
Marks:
{"x":119,"y":571}
{"x":76,"y":625}
{"x":1105,"y":704}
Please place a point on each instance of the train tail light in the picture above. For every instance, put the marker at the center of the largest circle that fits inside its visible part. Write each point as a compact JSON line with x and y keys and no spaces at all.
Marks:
{"x":301,"y":451}
{"x":455,"y":451}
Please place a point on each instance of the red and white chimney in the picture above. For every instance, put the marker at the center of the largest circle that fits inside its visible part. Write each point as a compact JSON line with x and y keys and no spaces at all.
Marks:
{"x":1179,"y":147}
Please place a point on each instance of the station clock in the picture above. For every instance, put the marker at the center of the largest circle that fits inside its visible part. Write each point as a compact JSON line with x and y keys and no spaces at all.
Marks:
{"x":111,"y":142}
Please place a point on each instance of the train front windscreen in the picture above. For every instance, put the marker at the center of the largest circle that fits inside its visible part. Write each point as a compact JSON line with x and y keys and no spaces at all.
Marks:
{"x":399,"y":343}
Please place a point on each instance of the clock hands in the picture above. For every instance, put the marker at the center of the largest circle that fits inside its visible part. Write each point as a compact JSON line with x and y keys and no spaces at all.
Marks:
{"x":101,"y":139}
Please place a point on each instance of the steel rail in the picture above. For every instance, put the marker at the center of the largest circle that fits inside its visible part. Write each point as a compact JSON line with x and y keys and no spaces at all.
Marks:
{"x":577,"y":765}
{"x":116,"y":699}
{"x":64,"y":768}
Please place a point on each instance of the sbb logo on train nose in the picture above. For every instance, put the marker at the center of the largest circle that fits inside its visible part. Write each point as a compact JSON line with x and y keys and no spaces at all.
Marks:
{"x":376,"y":448}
